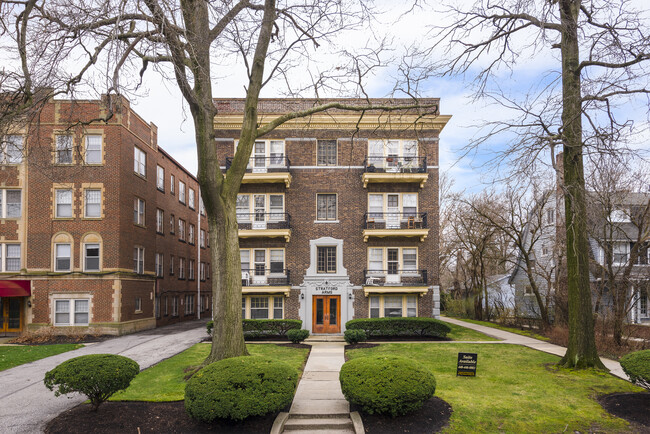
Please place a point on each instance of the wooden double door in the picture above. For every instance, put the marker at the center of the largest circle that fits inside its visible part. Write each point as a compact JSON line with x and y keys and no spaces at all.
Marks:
{"x":10,"y":314}
{"x":326,"y":314}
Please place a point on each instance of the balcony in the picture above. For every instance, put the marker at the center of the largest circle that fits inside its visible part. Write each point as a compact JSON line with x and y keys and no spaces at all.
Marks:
{"x":393,"y":169}
{"x":265,"y":280}
{"x":395,"y":224}
{"x":264,"y":225}
{"x":395,"y":281}
{"x":266,"y":170}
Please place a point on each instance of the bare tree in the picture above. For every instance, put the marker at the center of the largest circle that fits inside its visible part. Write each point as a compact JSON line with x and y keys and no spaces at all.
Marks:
{"x":185,"y":39}
{"x":603,"y":52}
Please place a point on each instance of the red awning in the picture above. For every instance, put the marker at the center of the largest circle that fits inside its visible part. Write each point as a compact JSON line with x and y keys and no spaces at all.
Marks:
{"x":15,"y":288}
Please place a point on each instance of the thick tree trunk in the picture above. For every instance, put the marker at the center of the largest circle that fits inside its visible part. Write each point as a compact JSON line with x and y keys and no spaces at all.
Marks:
{"x":581,"y":350}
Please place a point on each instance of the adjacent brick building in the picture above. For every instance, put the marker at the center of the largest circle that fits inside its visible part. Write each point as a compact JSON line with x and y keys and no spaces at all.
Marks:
{"x":100,"y":228}
{"x":338,"y":214}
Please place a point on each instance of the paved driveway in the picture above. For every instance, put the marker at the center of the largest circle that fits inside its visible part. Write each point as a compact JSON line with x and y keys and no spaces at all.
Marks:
{"x":26,"y":405}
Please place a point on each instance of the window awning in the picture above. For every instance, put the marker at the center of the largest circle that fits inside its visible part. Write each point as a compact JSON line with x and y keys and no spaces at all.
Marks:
{"x":367,"y":290}
{"x":15,"y":288}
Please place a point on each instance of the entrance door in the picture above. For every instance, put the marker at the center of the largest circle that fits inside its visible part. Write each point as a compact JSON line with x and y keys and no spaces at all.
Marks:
{"x":10,"y":309}
{"x":326,"y":313}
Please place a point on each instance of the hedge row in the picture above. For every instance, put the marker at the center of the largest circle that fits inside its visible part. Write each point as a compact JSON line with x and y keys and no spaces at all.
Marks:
{"x":400,"y":327}
{"x":637,"y":366}
{"x":261,"y":328}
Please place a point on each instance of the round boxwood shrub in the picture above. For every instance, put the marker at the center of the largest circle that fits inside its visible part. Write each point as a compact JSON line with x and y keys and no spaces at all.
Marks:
{"x":386,"y":384}
{"x":637,"y":366}
{"x":98,"y":376}
{"x":240,"y":387}
{"x":354,"y":336}
{"x":297,"y":336}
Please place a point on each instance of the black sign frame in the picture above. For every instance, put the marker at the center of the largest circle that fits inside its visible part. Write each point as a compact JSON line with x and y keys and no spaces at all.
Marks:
{"x":467,"y":364}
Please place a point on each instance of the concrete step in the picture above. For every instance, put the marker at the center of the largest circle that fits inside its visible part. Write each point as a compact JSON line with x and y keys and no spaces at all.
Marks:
{"x":325,"y":338}
{"x":323,"y":431}
{"x":319,"y":424}
{"x":335,"y":415}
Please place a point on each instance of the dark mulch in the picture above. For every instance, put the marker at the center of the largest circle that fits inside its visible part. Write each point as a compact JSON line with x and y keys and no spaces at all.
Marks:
{"x":633,"y":407}
{"x":147,"y":417}
{"x":432,"y":417}
{"x":60,"y":339}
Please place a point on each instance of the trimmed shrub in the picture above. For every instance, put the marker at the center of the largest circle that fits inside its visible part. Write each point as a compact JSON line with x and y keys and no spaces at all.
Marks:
{"x":637,"y":366}
{"x":297,"y":336}
{"x":240,"y":387}
{"x":98,"y":376}
{"x":354,"y":336}
{"x":400,"y":327}
{"x":260,"y":328}
{"x":386,"y":384}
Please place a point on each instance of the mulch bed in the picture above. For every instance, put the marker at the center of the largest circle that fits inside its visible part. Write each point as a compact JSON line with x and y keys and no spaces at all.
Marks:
{"x":147,"y":417}
{"x":61,"y":339}
{"x":633,"y":407}
{"x":432,"y":417}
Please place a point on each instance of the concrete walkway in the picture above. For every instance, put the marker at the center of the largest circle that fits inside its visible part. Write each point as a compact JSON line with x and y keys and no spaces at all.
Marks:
{"x":27,"y":405}
{"x":513,"y":338}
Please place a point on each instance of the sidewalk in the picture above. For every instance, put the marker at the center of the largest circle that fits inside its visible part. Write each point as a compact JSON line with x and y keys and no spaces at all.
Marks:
{"x":513,"y":338}
{"x":27,"y":405}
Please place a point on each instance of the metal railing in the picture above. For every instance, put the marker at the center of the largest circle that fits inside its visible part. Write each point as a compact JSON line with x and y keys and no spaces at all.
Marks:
{"x":264,"y":220}
{"x":277,"y":163}
{"x":395,"y":164}
{"x":394,"y":277}
{"x":395,"y":220}
{"x":261,"y":276}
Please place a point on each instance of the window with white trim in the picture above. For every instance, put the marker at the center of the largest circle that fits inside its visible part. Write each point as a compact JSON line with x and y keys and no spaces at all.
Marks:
{"x":12,"y":254}
{"x":202,"y":238}
{"x":11,"y":203}
{"x":181,"y":229}
{"x":11,"y":149}
{"x":171,"y":265}
{"x":202,"y":271}
{"x":190,"y":202}
{"x":383,"y":149}
{"x":138,"y":304}
{"x":326,"y":259}
{"x":266,"y":153}
{"x":159,"y":265}
{"x":71,"y":312}
{"x":181,"y":192}
{"x":139,"y":161}
{"x":172,"y":184}
{"x":643,"y":305}
{"x":172,"y":224}
{"x":63,"y":149}
{"x":62,"y":257}
{"x":175,"y":305}
{"x":93,"y":149}
{"x":138,"y":211}
{"x":138,"y":260}
{"x":265,"y":261}
{"x":262,"y":307}
{"x":91,"y":256}
{"x":160,"y":221}
{"x":160,"y":178}
{"x":380,"y":204}
{"x":201,"y":206}
{"x":189,"y":304}
{"x":190,"y":275}
{"x":326,"y":152}
{"x":181,"y":268}
{"x":326,"y":206}
{"x":259,"y":307}
{"x":393,"y":306}
{"x":63,"y":203}
{"x":190,"y":234}
{"x":550,"y":216}
{"x":262,"y":206}
{"x":93,"y":203}
{"x":393,"y":260}
{"x":620,"y":253}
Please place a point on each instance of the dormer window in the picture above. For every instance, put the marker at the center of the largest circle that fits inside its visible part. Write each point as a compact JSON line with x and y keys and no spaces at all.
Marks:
{"x":620,"y":216}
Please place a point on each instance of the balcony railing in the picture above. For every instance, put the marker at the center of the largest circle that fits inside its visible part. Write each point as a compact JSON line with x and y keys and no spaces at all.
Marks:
{"x":395,"y":164}
{"x":256,"y":164}
{"x":395,"y":220}
{"x":260,"y":276}
{"x":264,"y":220}
{"x":395,"y":277}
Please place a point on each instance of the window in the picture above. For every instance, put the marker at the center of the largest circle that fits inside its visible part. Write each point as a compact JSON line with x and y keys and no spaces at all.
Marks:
{"x":11,"y":151}
{"x":191,"y":234}
{"x":620,"y":253}
{"x":64,"y":149}
{"x":620,"y":216}
{"x":259,"y":307}
{"x":393,"y":306}
{"x":172,"y":224}
{"x":242,"y":207}
{"x":207,"y":270}
{"x":181,"y":229}
{"x":181,"y":268}
{"x":191,"y":198}
{"x":64,"y":203}
{"x":62,"y":257}
{"x":277,"y":260}
{"x":159,"y":265}
{"x":264,"y":259}
{"x":326,"y":259}
{"x":191,"y":269}
{"x":265,"y":207}
{"x":138,"y":304}
{"x":544,"y":250}
{"x":160,"y":221}
{"x":181,"y":192}
{"x":12,"y":201}
{"x":189,"y":304}
{"x":643,"y":305}
{"x":326,"y":153}
{"x":392,"y":153}
{"x":528,"y":290}
{"x":166,"y":305}
{"x":172,"y":184}
{"x":201,"y":206}
{"x":202,"y":271}
{"x":175,"y":305}
{"x":325,"y":207}
{"x":160,"y":178}
{"x":91,"y":257}
{"x":138,"y":211}
{"x":409,"y":260}
{"x":71,"y":312}
{"x":550,"y":215}
{"x":12,"y":260}
{"x":202,"y":238}
{"x":94,"y":149}
{"x":278,"y":310}
{"x":276,"y":207}
{"x":93,"y":202}
{"x":245,"y":259}
{"x":138,"y":260}
{"x":387,"y":205}
{"x":171,"y":265}
{"x":399,"y":260}
{"x":139,"y":161}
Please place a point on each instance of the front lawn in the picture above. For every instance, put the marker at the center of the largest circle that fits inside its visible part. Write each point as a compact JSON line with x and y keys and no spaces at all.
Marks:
{"x":527,"y":333}
{"x":459,"y":333}
{"x":165,"y":381}
{"x":11,"y":356}
{"x":517,"y":389}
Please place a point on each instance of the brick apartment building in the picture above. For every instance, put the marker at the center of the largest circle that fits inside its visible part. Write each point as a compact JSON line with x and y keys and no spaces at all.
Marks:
{"x":100,"y":228}
{"x":338,"y":215}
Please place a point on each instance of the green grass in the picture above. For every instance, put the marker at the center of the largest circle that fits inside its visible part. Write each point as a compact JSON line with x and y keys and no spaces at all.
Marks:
{"x":165,"y":381}
{"x":11,"y":356}
{"x":516,"y":390}
{"x":459,"y":333}
{"x":527,"y":333}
